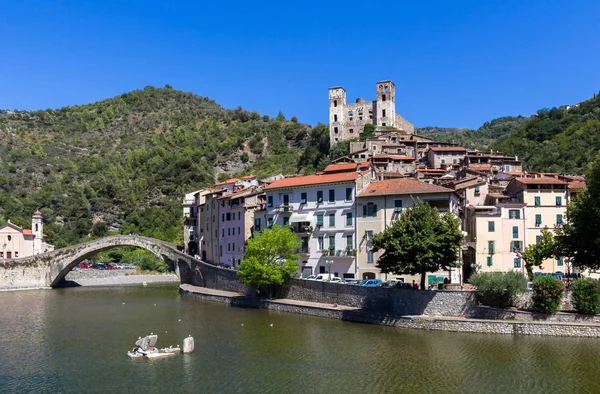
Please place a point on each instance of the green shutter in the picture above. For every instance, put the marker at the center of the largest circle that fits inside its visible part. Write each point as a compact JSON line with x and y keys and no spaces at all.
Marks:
{"x":348,"y":194}
{"x":374,"y":210}
{"x":489,"y":260}
{"x":537,"y":201}
{"x":364,"y":210}
{"x":319,"y":220}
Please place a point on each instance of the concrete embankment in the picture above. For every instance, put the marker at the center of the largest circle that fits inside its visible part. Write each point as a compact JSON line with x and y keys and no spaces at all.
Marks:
{"x":90,"y":277}
{"x":355,"y":314}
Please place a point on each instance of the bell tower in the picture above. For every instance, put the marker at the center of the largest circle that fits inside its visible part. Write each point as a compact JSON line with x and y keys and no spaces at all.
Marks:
{"x":337,"y":103}
{"x":386,"y":104}
{"x":37,"y":228}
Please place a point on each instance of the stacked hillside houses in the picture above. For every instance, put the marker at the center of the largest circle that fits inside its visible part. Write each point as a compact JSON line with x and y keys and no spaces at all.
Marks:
{"x":336,"y":212}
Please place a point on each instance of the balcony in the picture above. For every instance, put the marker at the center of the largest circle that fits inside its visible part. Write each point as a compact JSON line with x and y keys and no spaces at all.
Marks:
{"x":190,"y":215}
{"x":285,"y":209}
{"x":342,"y":253}
{"x":301,"y":228}
{"x":303,"y":250}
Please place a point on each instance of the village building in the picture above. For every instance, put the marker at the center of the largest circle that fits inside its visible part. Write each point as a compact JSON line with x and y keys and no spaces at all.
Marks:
{"x":16,"y":242}
{"x":380,"y":204}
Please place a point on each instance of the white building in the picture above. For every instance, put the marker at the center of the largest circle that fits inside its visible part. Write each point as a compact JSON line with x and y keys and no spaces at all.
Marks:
{"x":16,"y":242}
{"x":321,"y":210}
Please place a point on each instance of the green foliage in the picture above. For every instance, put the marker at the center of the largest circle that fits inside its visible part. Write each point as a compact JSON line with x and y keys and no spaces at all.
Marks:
{"x":536,"y":253}
{"x":340,"y":149}
{"x":368,"y":131}
{"x":419,"y":241}
{"x":144,"y":259}
{"x":579,"y":238}
{"x":547,"y":293}
{"x":128,"y":160}
{"x":498,"y":288}
{"x":270,"y":258}
{"x":586,"y":296}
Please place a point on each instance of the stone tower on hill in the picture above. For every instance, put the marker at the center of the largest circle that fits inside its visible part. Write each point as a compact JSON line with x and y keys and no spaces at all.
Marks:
{"x":347,"y":121}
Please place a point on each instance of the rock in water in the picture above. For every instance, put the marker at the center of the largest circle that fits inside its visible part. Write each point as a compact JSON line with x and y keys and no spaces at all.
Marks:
{"x":188,"y":345}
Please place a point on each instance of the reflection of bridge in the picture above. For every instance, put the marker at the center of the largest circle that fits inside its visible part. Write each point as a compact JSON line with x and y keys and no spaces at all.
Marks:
{"x":50,"y":269}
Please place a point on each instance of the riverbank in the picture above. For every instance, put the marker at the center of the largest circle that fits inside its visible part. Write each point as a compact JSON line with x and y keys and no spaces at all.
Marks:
{"x":436,"y":323}
{"x":91,"y":277}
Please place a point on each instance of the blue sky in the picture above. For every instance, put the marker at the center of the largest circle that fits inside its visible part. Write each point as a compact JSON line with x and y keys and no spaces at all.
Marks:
{"x":455,"y":64}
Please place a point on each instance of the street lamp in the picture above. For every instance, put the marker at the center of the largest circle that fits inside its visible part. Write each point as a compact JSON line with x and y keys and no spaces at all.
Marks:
{"x":329,"y":263}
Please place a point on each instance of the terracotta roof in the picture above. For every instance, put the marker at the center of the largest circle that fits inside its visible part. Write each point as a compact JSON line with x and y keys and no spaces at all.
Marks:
{"x":540,"y":181}
{"x":497,"y":195}
{"x":513,"y":172}
{"x":27,"y":232}
{"x":448,"y":149}
{"x":227,"y":182}
{"x":576,"y":185}
{"x":237,"y":193}
{"x":249,"y":177}
{"x":432,"y":170}
{"x":480,"y":167}
{"x":401,"y":186}
{"x":344,"y":167}
{"x":316,"y":179}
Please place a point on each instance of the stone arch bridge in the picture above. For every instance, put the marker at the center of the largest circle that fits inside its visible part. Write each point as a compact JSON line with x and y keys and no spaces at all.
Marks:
{"x":50,"y":269}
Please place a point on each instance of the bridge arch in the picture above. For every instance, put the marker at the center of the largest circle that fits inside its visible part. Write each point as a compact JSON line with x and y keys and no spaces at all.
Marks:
{"x":64,"y":260}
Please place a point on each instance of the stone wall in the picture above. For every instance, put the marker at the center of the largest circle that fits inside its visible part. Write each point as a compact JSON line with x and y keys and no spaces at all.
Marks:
{"x":23,"y":276}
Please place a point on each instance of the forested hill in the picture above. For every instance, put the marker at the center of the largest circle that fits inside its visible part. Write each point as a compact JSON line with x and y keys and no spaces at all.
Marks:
{"x":124,"y":163}
{"x":555,"y":140}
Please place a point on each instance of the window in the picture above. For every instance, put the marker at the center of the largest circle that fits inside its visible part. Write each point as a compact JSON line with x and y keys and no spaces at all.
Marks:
{"x":507,"y":168}
{"x":332,"y":242}
{"x":369,"y":235}
{"x":222,"y":217}
{"x":454,"y":161}
{"x":514,"y":214}
{"x":303,"y":198}
{"x":270,"y":201}
{"x":332,"y":220}
{"x":9,"y":237}
{"x":443,"y":161}
{"x":538,"y":220}
{"x":257,"y":224}
{"x":558,"y":200}
{"x":515,"y":232}
{"x":335,"y":118}
{"x":335,"y":103}
{"x":383,"y":99}
{"x":16,"y":254}
{"x":370,"y":209}
{"x":491,"y":226}
{"x":517,"y":262}
{"x":352,"y":130}
{"x":320,"y":240}
{"x":477,"y":191}
{"x":370,"y":257}
{"x":350,"y":113}
{"x":228,"y":216}
{"x":221,"y":250}
{"x":222,"y":232}
{"x":332,"y":195}
{"x":349,"y":219}
{"x":537,"y":201}
{"x":335,"y":130}
{"x":228,"y":231}
{"x":320,"y":196}
{"x":383,"y":113}
{"x":348,"y":194}
{"x":491,"y":247}
{"x":286,"y":220}
{"x":320,"y":220}
{"x":239,"y":215}
{"x":321,"y":269}
{"x":515,"y":246}
{"x":228,"y":247}
{"x":560,"y":261}
{"x":397,"y":205}
{"x":559,"y":219}
{"x":489,"y":260}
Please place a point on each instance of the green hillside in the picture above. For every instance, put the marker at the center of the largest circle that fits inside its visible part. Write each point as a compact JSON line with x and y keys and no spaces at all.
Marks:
{"x":123,"y":164}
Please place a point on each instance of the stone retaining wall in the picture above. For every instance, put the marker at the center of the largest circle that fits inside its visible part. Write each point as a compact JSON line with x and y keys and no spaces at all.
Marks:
{"x":411,"y":322}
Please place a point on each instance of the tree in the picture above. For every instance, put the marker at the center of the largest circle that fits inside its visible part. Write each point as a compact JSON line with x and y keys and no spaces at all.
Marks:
{"x":535,"y":254}
{"x":419,"y":241}
{"x":270,"y":259}
{"x":368,"y":131}
{"x":579,"y":238}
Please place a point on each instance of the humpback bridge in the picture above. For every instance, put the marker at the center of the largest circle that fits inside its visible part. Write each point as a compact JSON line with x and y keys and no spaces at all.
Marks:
{"x":50,"y":269}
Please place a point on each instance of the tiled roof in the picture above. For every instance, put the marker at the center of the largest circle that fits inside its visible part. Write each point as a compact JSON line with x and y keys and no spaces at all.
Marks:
{"x":227,"y":182}
{"x":576,"y":185}
{"x":27,"y":232}
{"x":249,"y":177}
{"x":401,"y":186}
{"x":480,"y":167}
{"x":448,"y":149}
{"x":345,"y":167}
{"x":540,"y":181}
{"x":316,"y":179}
{"x":394,"y":157}
{"x":497,"y":195}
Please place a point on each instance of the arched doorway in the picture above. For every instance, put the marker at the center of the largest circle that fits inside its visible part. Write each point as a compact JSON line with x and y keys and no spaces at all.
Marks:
{"x":368,"y":275}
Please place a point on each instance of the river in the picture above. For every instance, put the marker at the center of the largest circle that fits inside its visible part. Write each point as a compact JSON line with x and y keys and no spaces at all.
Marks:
{"x":75,"y":340}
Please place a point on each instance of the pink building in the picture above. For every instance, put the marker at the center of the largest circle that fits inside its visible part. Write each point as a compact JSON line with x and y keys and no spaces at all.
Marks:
{"x":16,"y":242}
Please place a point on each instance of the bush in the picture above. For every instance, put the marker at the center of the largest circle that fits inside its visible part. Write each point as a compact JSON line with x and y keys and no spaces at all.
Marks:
{"x":586,"y":296}
{"x":498,"y":288}
{"x":547,"y":293}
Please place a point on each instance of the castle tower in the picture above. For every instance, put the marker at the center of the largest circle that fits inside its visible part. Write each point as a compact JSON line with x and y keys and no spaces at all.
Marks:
{"x":385,"y":104}
{"x":37,"y":228}
{"x":337,"y":105}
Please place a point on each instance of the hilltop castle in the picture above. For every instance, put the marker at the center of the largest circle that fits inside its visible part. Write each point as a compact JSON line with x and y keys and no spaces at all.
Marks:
{"x":347,"y":121}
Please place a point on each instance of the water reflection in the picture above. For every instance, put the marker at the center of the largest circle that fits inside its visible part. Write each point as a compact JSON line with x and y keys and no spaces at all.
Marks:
{"x":75,"y":340}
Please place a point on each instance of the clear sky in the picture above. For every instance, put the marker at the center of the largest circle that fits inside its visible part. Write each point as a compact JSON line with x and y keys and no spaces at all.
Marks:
{"x":455,"y":64}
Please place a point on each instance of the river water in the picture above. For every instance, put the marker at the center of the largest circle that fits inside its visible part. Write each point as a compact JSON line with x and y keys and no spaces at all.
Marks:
{"x":75,"y":340}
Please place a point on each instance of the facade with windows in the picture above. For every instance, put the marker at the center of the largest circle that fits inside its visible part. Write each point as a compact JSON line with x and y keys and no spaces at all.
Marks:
{"x":321,"y":210}
{"x":381,"y":203}
{"x":16,"y":242}
{"x":440,"y":156}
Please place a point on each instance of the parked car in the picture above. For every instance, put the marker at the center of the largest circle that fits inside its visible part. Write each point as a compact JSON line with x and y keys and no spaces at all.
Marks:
{"x":110,"y":266}
{"x":84,"y":265}
{"x":323,"y":277}
{"x":98,"y":266}
{"x":310,"y":277}
{"x":402,"y":285}
{"x":335,"y":279}
{"x":352,"y":281}
{"x":390,"y":283}
{"x":127,"y":266}
{"x":372,"y":283}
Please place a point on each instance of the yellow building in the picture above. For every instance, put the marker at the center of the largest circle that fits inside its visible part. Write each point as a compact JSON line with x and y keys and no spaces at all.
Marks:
{"x":380,"y":204}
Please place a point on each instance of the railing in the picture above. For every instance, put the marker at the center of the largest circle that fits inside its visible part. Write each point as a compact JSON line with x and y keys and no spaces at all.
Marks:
{"x":188,"y":215}
{"x":284,"y":208}
{"x":339,"y":253}
{"x":303,"y":250}
{"x":301,"y":229}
